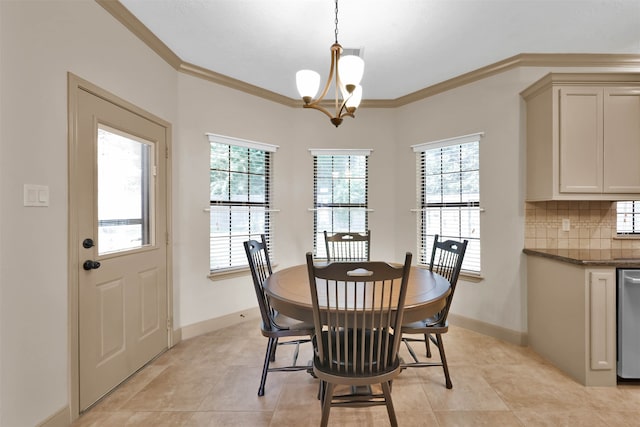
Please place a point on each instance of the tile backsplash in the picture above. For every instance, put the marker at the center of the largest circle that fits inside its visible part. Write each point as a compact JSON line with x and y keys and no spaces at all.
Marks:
{"x":592,"y":225}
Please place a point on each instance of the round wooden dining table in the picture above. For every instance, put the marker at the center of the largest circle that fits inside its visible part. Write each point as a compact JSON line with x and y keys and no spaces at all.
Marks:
{"x":289,"y":292}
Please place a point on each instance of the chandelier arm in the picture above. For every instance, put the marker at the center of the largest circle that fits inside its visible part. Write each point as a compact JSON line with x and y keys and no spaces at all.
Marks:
{"x":336,"y":101}
{"x":343,"y":111}
{"x":318,"y":107}
{"x":339,"y":87}
{"x":335,"y":56}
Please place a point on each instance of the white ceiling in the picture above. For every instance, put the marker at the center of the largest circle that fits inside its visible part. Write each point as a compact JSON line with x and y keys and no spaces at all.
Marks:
{"x":408,"y":44}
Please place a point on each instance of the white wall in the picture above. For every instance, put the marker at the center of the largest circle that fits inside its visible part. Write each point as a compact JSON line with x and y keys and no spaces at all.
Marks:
{"x":40,"y":41}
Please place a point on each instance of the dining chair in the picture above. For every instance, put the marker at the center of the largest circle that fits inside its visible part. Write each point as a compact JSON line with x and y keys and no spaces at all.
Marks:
{"x":357,"y":311}
{"x":274,"y":325}
{"x":347,"y":246}
{"x":446,"y":260}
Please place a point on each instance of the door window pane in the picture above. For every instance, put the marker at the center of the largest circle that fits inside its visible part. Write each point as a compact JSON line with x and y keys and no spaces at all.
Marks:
{"x":124,"y":191}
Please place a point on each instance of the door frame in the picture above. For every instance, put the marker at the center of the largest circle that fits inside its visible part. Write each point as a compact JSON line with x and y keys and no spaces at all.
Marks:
{"x":74,"y":85}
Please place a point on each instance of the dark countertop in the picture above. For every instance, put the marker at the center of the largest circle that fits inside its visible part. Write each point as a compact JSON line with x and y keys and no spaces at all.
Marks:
{"x":627,"y":258}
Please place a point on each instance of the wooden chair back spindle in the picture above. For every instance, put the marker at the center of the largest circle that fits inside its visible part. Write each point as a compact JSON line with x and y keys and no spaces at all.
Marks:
{"x":347,"y":246}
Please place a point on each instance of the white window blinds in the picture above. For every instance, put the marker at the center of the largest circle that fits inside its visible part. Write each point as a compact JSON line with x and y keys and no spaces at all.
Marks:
{"x":448,"y":196}
{"x":240,"y":199}
{"x":340,"y":193}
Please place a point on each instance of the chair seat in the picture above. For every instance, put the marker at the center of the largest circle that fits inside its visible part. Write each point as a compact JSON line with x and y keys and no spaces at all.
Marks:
{"x":331,"y":376}
{"x":432,"y":324}
{"x":283,"y":326}
{"x":342,"y":358}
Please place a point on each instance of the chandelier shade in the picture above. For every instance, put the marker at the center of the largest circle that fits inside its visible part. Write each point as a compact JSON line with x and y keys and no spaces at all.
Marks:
{"x":308,"y":83}
{"x":351,"y":70}
{"x":347,"y":72}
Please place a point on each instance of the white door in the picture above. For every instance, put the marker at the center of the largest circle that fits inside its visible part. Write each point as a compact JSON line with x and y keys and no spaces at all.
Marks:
{"x":120,"y":194}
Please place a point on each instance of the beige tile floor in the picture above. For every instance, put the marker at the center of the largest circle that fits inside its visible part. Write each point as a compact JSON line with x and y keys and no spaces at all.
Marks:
{"x":212,"y":380}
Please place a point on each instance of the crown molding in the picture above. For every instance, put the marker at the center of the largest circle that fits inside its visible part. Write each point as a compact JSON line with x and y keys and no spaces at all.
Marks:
{"x":206,"y":74}
{"x":524,"y":60}
{"x":133,"y":24}
{"x":582,"y":79}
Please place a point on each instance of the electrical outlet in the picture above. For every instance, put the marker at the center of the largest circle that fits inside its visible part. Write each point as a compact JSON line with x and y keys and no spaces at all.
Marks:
{"x":566,"y":224}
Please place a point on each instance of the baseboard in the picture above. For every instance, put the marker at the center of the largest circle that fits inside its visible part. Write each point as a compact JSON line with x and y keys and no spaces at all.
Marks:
{"x":176,"y":337}
{"x":62,"y":418}
{"x":504,"y":334}
{"x":210,"y":325}
{"x":214,"y":324}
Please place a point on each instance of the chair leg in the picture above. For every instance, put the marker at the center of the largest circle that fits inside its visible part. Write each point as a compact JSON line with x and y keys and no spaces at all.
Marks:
{"x":326,"y":403}
{"x":273,"y":342}
{"x":321,"y":389}
{"x":272,"y":356}
{"x":386,"y":389}
{"x":443,"y":358}
{"x":426,"y":343}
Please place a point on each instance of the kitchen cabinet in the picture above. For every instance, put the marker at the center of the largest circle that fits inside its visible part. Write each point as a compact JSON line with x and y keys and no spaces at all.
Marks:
{"x":622,"y":140}
{"x":571,"y":316}
{"x":583,"y":137}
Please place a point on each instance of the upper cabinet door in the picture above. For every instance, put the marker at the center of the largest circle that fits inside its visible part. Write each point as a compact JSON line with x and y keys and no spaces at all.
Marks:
{"x":622,"y":136}
{"x":581,"y":139}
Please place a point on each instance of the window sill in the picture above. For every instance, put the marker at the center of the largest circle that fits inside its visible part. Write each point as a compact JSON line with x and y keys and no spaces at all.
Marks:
{"x":230,"y":273}
{"x":471,"y":277}
{"x":626,"y":237}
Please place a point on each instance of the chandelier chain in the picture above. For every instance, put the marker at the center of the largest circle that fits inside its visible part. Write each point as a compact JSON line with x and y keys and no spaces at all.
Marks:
{"x":336,"y":21}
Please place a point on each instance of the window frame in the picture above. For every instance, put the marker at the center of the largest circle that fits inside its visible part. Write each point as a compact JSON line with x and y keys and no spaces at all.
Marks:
{"x":267,"y":205}
{"x":318,"y":236}
{"x":635,"y":219}
{"x":473,"y":266}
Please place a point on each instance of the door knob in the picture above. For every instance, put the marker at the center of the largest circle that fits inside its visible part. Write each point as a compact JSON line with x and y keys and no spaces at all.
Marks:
{"x":90,"y":265}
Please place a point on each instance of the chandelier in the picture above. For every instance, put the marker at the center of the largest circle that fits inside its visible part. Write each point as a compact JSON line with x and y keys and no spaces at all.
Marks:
{"x":348,"y":71}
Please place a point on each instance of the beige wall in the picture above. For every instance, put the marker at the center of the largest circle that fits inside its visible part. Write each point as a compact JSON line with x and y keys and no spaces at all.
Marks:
{"x":492,"y":106}
{"x":40,"y":41}
{"x":204,"y":107}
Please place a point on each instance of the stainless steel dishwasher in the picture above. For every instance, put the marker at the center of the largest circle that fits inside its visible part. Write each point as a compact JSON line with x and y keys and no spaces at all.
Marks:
{"x":629,"y":323}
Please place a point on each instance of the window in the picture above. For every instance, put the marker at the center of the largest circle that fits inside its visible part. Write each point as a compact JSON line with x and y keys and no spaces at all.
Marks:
{"x":240,"y":198}
{"x":628,"y":218}
{"x":340,"y":193}
{"x":448,"y":196}
{"x":125,"y":191}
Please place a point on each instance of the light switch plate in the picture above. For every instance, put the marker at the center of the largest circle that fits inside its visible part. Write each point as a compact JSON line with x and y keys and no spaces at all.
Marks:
{"x":36,"y":195}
